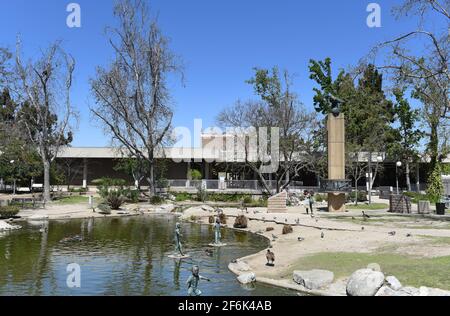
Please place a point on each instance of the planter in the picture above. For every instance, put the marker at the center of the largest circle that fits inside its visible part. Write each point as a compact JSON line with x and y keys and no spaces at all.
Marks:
{"x":424,"y":207}
{"x":440,"y":208}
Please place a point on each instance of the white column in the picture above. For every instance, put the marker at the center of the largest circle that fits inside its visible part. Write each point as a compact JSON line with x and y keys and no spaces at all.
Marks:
{"x":85,"y":173}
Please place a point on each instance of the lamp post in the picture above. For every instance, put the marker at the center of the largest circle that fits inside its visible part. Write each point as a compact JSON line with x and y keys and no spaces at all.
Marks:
{"x":14,"y":185}
{"x":397,"y":165}
{"x":379,"y":160}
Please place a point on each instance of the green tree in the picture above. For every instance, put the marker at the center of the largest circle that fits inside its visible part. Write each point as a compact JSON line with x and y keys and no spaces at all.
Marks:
{"x":407,"y":135}
{"x":367,"y":110}
{"x":435,"y":188}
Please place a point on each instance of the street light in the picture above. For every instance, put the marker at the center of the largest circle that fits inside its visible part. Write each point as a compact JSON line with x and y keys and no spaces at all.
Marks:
{"x":14,"y":188}
{"x":397,"y":165}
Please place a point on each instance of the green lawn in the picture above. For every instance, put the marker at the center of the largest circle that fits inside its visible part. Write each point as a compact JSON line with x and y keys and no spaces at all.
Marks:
{"x":411,"y":271}
{"x":371,"y":207}
{"x":76,"y":199}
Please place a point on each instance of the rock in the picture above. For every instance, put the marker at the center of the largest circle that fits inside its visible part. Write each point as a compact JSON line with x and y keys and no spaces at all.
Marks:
{"x":374,"y":267}
{"x":408,"y":291}
{"x":287,"y":229}
{"x":240,"y":266}
{"x":386,"y":291}
{"x":393,"y":283}
{"x":241,"y":222}
{"x":314,"y":279}
{"x":247,"y":278}
{"x":365,"y":282}
{"x":207,"y":208}
{"x":426,"y":291}
{"x":7,"y":227}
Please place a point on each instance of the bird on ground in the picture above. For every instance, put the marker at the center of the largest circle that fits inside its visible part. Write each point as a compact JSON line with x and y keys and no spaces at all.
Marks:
{"x":234,"y":261}
{"x":362,"y":228}
{"x":317,"y":220}
{"x":408,"y":235}
{"x":365,"y":216}
{"x":392,"y":233}
{"x":322,"y":235}
{"x":209,"y":252}
{"x":286,"y":220}
{"x":297,"y":221}
{"x":270,"y":256}
{"x":274,"y":237}
{"x":301,"y":239}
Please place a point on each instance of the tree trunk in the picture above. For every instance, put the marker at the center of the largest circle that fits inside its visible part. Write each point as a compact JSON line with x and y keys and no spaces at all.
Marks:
{"x":151,"y":180}
{"x":418,"y":177}
{"x":408,"y":180}
{"x":47,"y":197}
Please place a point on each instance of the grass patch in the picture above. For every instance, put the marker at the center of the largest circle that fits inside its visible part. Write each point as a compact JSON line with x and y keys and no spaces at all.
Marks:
{"x":371,"y":207}
{"x":411,"y":271}
{"x":76,"y":199}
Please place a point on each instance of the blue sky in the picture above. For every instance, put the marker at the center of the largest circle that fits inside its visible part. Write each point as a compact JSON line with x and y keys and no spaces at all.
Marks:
{"x":220,"y":42}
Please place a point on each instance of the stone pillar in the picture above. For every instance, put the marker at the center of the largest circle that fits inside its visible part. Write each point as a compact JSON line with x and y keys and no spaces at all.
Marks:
{"x":336,"y":159}
{"x":85,"y":173}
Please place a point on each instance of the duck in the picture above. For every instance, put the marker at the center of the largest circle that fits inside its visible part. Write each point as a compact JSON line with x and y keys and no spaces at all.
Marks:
{"x":270,"y":256}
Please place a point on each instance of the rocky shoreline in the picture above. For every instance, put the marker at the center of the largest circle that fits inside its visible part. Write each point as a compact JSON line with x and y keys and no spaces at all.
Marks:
{"x":365,"y":282}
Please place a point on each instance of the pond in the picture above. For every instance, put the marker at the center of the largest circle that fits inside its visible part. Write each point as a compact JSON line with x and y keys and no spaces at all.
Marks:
{"x":121,"y":256}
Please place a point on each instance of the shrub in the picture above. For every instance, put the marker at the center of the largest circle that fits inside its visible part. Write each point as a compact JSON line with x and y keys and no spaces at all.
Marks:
{"x":248,"y":200}
{"x":162,"y":183}
{"x":181,"y":197}
{"x":195,"y":174}
{"x":202,"y":195}
{"x":104,"y":209}
{"x":112,"y":192}
{"x":287,"y":229}
{"x":156,"y":200}
{"x":241,"y":222}
{"x":362,"y":197}
{"x":10,"y":211}
{"x":79,"y":190}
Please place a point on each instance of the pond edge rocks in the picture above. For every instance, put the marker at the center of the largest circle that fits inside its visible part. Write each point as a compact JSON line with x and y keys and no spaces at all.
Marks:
{"x":313,"y":279}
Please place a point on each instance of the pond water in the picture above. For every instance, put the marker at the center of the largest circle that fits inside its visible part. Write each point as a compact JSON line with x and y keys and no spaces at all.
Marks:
{"x":121,"y":256}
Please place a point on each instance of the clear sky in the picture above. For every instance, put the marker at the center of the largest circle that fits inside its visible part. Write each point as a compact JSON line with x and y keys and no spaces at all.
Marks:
{"x":220,"y":42}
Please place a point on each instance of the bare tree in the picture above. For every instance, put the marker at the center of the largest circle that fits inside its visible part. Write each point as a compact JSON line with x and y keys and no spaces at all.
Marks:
{"x":432,"y":62}
{"x":132,"y":96}
{"x":46,"y":114}
{"x":279,"y":107}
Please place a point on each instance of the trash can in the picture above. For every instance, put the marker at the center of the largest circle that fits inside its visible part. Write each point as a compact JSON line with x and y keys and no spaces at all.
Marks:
{"x":440,"y":208}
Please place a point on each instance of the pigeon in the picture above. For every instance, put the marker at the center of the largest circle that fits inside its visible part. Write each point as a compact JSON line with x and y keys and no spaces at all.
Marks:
{"x":301,"y":239}
{"x":274,"y":237}
{"x":362,"y":228}
{"x":286,"y":220}
{"x":322,"y":235}
{"x":392,"y":233}
{"x":408,"y":235}
{"x":365,"y":216}
{"x":234,"y":261}
{"x":317,"y":220}
{"x":209,"y":252}
{"x":297,"y":221}
{"x":270,"y":256}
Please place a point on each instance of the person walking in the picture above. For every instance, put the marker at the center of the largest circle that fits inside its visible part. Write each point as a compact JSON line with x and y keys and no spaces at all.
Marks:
{"x":311,"y":201}
{"x":306,"y":201}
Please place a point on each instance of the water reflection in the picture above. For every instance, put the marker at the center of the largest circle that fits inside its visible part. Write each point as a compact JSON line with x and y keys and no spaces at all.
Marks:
{"x":127,"y":256}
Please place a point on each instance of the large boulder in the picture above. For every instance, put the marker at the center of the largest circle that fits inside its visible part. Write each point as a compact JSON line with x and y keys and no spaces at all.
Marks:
{"x":314,"y":279}
{"x":393,"y":283}
{"x":408,"y":291}
{"x":247,"y":278}
{"x":365,"y":282}
{"x":426,"y":291}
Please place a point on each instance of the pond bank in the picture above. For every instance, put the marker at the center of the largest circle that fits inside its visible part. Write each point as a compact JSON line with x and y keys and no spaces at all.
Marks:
{"x":339,"y":237}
